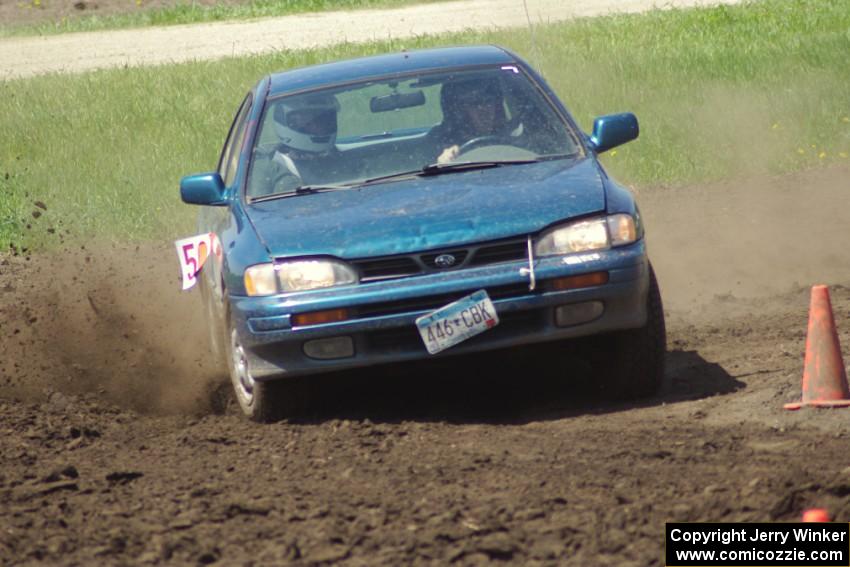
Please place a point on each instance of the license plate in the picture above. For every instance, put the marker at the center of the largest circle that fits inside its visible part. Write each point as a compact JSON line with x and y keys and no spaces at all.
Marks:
{"x":458,"y":321}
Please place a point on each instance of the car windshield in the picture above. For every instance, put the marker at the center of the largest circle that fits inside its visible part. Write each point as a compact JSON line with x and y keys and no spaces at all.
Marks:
{"x":343,"y":136}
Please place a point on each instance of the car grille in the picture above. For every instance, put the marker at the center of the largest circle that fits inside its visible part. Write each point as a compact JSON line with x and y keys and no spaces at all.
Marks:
{"x":497,"y":253}
{"x":391,"y":267}
{"x":430,"y":260}
{"x":386,"y":268}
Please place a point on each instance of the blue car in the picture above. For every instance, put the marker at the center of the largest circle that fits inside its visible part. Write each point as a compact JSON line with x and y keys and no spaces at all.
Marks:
{"x":417,"y":205}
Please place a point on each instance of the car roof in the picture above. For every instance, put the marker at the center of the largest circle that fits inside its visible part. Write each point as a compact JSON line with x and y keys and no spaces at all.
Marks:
{"x":381,"y":65}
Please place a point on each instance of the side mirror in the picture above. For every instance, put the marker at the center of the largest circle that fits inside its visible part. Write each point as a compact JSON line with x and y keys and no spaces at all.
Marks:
{"x":613,"y":130}
{"x":203,"y":189}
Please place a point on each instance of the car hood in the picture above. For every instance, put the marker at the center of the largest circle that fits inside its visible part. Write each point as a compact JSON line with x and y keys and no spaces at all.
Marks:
{"x":429,"y":212}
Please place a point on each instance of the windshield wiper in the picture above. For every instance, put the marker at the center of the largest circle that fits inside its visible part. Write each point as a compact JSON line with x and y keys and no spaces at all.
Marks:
{"x":302,"y":190}
{"x":438,"y":168}
{"x":390,"y":177}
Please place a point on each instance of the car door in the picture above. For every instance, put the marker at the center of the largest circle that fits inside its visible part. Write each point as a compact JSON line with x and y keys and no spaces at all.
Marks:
{"x":219,"y":219}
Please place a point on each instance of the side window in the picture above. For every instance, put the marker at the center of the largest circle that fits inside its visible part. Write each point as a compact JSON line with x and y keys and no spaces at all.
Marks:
{"x":230,"y":154}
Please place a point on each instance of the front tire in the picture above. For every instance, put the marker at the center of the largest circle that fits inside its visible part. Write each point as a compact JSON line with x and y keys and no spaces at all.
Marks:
{"x":263,"y":402}
{"x":630,"y":364}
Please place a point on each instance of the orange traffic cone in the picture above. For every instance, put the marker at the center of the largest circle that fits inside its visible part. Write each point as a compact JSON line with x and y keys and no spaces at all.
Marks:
{"x":815,"y":515}
{"x":824,"y":378}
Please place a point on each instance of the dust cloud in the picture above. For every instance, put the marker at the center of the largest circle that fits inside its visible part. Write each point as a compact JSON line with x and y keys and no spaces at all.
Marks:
{"x":753,"y":237}
{"x":104,"y":320}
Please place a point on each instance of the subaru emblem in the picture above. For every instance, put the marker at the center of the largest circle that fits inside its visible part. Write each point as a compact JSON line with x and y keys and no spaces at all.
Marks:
{"x":444,"y":261}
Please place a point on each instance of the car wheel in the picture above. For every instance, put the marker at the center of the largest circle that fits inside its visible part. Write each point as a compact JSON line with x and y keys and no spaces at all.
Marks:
{"x":630,"y":364}
{"x":263,"y":402}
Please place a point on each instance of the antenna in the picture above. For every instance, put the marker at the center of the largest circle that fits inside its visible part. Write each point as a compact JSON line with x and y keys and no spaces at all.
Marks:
{"x":535,"y":53}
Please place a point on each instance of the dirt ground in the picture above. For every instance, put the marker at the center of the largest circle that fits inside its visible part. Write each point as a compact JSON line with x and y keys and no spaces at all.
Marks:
{"x":117,"y":446}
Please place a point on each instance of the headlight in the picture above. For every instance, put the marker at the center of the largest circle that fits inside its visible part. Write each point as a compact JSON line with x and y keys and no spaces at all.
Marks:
{"x":297,"y":275}
{"x":312,"y":274}
{"x":594,"y":234}
{"x":622,"y":229}
{"x":261,"y":280}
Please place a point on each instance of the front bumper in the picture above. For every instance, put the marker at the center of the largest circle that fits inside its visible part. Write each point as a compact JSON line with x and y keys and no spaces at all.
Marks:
{"x":383,"y":330}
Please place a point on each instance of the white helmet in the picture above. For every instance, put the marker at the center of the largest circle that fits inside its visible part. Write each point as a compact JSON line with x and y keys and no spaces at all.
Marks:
{"x":307,"y":122}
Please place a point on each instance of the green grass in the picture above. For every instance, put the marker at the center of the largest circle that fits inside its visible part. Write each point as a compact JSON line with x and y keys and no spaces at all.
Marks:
{"x":187,"y":13}
{"x":721,"y":92}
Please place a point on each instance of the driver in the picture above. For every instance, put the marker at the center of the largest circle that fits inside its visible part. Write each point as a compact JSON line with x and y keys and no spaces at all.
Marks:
{"x":307,"y":127}
{"x":471,"y":109}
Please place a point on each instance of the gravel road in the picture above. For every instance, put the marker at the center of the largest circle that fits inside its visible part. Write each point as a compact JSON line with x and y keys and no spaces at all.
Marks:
{"x":79,"y":52}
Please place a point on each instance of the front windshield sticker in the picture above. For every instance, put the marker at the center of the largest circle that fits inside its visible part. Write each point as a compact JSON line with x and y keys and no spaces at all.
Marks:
{"x":510,"y":68}
{"x":192,"y":253}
